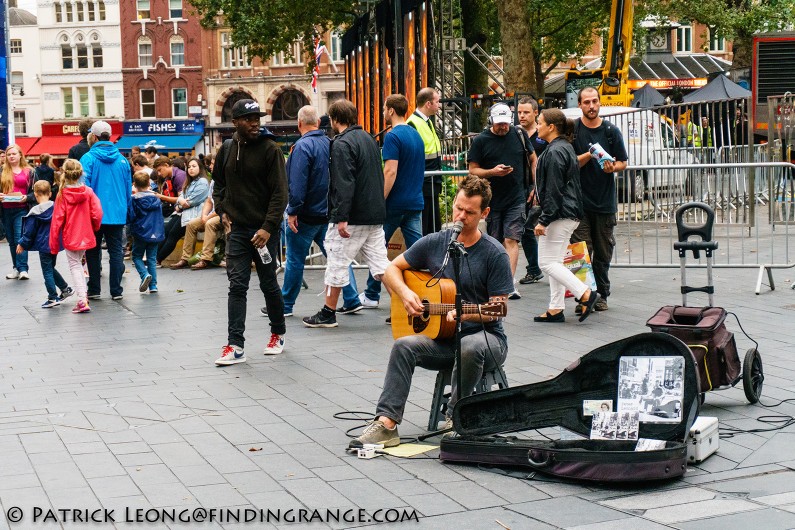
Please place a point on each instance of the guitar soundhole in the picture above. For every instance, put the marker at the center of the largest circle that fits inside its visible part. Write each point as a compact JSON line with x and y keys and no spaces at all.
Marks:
{"x":420,"y":323}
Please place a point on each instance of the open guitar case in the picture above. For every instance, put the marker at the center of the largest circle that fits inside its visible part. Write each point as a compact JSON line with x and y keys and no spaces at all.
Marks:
{"x":479,"y":418}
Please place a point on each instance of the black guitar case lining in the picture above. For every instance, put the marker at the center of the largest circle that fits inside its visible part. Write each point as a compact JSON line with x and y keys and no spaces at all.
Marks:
{"x":559,"y":402}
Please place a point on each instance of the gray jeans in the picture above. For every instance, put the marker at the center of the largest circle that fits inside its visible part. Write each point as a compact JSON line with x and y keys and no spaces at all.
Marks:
{"x":419,"y":350}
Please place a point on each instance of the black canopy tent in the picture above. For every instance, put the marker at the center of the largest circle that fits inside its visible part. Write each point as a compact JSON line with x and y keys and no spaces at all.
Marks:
{"x":646,"y":97}
{"x":719,"y":89}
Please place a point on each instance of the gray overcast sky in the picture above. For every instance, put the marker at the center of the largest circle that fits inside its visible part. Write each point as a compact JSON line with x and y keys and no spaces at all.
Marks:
{"x":30,"y":5}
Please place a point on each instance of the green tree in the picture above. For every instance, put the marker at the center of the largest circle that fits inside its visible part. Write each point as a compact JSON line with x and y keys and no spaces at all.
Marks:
{"x":271,"y":26}
{"x":735,"y":20}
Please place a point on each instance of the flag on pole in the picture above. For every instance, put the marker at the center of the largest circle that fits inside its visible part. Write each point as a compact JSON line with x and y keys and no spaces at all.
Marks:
{"x":316,"y":69}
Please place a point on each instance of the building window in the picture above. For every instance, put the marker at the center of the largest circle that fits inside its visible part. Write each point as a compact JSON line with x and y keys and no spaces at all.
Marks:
{"x":336,"y":47}
{"x":231,"y":56}
{"x":91,"y":14}
{"x":68,"y":103}
{"x":175,"y":8}
{"x":82,"y":92}
{"x":66,"y":57}
{"x":684,"y":39}
{"x":80,"y":15}
{"x":298,"y":53}
{"x":716,"y":41}
{"x":144,"y":52}
{"x":99,"y":100}
{"x":177,"y":51}
{"x":179,"y":100}
{"x":144,"y":10}
{"x":101,"y":10}
{"x":96,"y":54}
{"x":82,"y":56}
{"x":17,"y":83}
{"x":15,"y":46}
{"x":148,"y":103}
{"x":69,"y":15}
{"x":286,"y":106}
{"x":58,"y":14}
{"x":20,"y":128}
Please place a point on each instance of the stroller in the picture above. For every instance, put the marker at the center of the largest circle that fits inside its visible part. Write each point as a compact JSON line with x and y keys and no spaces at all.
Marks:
{"x":703,"y":328}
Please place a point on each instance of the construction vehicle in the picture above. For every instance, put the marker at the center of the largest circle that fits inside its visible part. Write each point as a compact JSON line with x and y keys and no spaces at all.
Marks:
{"x":610,"y":80}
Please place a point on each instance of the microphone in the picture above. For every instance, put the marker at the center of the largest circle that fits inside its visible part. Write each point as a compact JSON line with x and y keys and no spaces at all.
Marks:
{"x":456,"y":231}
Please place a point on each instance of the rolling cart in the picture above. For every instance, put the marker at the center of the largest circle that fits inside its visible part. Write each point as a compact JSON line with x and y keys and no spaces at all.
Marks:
{"x":703,"y":329}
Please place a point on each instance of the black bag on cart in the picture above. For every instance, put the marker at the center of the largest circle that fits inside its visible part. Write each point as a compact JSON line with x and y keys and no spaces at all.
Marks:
{"x":704,"y":331}
{"x":560,"y":402}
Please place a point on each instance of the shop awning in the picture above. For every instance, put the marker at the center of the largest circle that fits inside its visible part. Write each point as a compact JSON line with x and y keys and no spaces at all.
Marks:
{"x":26,"y":143}
{"x":161,"y":143}
{"x":57,"y":146}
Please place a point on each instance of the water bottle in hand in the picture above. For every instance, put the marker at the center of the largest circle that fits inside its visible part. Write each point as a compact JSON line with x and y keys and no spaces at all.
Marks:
{"x":265,"y":254}
{"x":600,"y":155}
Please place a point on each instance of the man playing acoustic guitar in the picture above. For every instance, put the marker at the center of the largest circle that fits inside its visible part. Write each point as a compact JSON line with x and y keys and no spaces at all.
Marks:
{"x":485,"y":277}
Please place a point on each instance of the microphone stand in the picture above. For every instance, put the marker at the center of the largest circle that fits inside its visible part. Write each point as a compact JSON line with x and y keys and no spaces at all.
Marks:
{"x":456,"y":251}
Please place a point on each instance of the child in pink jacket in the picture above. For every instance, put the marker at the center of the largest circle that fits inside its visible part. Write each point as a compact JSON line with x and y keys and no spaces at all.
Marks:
{"x":77,"y":215}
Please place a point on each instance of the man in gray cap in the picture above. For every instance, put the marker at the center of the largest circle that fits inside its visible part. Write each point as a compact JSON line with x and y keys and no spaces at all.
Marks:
{"x":107,"y":172}
{"x":250,"y":194}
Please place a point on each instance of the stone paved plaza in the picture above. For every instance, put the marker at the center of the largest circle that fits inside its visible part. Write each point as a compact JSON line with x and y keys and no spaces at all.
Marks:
{"x":123,"y":408}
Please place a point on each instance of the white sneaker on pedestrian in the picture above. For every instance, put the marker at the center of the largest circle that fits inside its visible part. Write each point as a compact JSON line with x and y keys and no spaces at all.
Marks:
{"x":275,"y":345}
{"x":231,"y":354}
{"x":13,"y":275}
{"x":24,"y":275}
{"x":367,"y":303}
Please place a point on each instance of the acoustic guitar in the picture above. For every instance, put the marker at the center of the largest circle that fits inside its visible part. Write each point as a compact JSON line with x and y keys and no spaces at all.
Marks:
{"x":438,"y":299}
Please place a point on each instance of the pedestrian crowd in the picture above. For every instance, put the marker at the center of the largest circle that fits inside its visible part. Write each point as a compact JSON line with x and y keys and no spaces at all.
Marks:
{"x":342,"y":191}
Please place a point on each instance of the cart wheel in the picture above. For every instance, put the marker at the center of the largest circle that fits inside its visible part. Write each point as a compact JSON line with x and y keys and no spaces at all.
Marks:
{"x":753,"y":376}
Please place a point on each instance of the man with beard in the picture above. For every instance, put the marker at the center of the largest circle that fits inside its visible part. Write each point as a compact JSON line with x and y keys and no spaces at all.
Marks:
{"x":250,"y":195}
{"x":598,"y":188}
{"x":503,"y":154}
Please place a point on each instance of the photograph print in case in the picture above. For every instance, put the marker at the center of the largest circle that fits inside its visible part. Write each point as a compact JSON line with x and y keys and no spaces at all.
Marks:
{"x":652,"y":386}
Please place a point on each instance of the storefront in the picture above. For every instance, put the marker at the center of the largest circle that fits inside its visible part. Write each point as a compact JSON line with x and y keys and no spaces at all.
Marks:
{"x":170,"y":138}
{"x":58,"y":137}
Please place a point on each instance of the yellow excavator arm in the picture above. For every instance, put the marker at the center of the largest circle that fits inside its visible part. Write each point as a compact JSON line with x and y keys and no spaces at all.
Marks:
{"x":613,"y":89}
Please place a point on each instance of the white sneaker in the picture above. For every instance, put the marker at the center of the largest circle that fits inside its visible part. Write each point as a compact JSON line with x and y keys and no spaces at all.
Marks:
{"x":275,"y":345}
{"x":13,"y":275}
{"x":24,"y":275}
{"x":231,"y":355}
{"x":367,"y":303}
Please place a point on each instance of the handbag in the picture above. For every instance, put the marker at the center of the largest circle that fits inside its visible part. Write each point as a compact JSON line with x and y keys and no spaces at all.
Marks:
{"x":533,"y":214}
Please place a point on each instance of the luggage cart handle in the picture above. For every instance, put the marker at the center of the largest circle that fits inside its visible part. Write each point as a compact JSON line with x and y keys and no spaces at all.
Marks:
{"x":702,"y":231}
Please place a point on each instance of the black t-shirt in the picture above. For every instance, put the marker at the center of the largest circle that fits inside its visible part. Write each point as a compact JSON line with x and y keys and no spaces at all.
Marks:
{"x":488,"y":151}
{"x":485,"y":271}
{"x":538,"y":144}
{"x":598,"y":187}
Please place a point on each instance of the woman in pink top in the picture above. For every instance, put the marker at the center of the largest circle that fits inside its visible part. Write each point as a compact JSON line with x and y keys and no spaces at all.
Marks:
{"x":15,"y":185}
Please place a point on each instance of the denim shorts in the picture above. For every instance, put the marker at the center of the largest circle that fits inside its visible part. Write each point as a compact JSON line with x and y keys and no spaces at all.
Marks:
{"x":506,"y":224}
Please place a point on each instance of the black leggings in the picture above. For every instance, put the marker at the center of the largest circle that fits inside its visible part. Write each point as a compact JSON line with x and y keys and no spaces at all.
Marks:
{"x":174,"y":231}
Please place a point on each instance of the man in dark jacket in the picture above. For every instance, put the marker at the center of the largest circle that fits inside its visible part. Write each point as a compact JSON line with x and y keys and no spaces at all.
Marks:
{"x":250,"y":194}
{"x":356,"y":208}
{"x":307,"y":209}
{"x":80,"y":148}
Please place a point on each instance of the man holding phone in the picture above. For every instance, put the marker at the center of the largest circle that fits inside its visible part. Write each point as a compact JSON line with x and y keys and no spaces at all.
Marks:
{"x":504,"y":155}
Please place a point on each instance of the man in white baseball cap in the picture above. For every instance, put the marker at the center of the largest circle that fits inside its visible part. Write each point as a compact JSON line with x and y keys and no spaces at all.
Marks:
{"x":504,"y":155}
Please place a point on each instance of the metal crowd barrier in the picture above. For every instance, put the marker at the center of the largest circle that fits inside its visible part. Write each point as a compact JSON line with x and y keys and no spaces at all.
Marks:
{"x":754,"y":213}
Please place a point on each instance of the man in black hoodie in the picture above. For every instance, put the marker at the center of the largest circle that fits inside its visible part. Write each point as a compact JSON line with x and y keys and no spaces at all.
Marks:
{"x":250,"y":194}
{"x":80,"y":148}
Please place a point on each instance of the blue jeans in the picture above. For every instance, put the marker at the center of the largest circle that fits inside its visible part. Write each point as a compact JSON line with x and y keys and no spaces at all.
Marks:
{"x":297,"y":249}
{"x":240,"y":252}
{"x":52,"y":277}
{"x":139,"y":247}
{"x":113,"y":238}
{"x":410,"y":223}
{"x":12,"y":221}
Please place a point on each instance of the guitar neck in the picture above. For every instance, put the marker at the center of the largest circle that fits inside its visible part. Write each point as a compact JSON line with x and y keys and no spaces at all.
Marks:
{"x":443,"y":309}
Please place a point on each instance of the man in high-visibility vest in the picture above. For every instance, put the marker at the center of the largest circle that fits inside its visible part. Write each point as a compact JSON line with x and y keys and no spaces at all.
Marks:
{"x":702,"y":134}
{"x":422,"y":120}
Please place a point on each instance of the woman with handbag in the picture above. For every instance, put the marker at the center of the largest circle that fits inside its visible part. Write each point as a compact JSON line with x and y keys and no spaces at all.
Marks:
{"x":559,"y":195}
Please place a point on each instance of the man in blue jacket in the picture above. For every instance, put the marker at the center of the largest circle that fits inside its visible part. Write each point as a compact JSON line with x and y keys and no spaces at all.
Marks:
{"x":107,"y":172}
{"x":307,"y":209}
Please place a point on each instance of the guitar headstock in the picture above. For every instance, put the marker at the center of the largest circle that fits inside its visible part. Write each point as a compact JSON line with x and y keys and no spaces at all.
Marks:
{"x":495,"y":307}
